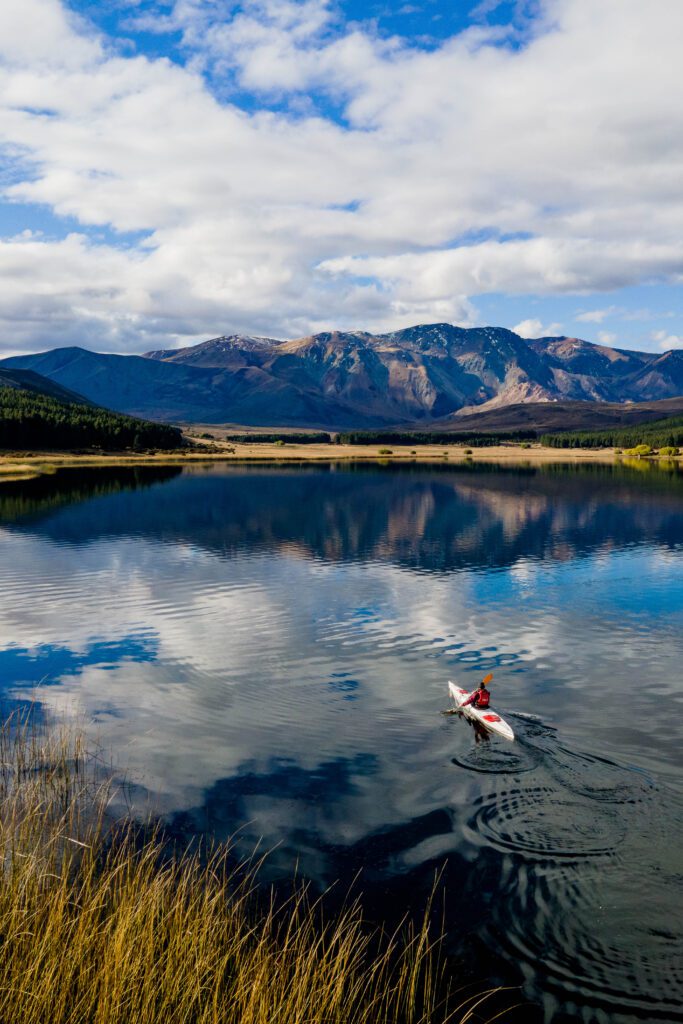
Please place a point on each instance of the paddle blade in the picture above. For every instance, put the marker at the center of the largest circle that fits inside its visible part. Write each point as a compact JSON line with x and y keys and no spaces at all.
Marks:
{"x":487,"y":679}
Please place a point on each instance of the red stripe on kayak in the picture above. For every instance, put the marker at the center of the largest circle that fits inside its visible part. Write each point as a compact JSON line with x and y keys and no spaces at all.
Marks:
{"x":491,"y":718}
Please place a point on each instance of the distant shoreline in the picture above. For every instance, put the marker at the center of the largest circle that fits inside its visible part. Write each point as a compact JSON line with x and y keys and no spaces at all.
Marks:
{"x":22,"y":465}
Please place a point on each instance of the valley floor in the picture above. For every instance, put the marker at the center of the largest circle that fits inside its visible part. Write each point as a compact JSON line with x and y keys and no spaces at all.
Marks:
{"x":16,"y":465}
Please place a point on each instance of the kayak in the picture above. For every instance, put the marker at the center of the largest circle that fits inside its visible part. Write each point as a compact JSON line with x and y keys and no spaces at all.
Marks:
{"x":485,"y":716}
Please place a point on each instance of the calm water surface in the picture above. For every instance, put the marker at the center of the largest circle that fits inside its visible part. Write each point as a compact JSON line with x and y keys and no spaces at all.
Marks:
{"x":267,"y":649}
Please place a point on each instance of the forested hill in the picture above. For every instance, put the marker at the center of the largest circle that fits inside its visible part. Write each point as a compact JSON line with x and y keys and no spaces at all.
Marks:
{"x":666,"y":433}
{"x":32,"y":419}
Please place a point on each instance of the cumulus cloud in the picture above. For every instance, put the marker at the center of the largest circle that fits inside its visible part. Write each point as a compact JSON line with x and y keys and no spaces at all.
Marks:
{"x":539,"y":265}
{"x":667,"y":341}
{"x":533,"y":328}
{"x":343,"y":193}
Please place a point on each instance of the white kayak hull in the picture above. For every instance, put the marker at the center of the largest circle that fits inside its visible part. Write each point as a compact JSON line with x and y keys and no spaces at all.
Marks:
{"x":488,"y":718}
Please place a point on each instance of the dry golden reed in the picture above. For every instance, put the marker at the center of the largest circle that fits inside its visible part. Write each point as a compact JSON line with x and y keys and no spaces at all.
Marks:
{"x":99,"y":926}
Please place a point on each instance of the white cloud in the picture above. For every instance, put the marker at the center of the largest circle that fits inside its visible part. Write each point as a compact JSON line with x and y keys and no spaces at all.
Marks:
{"x":279,"y":223}
{"x":44,"y":36}
{"x":667,"y":341}
{"x":607,"y":337}
{"x":533,"y":328}
{"x":596,"y":316}
{"x":539,"y":265}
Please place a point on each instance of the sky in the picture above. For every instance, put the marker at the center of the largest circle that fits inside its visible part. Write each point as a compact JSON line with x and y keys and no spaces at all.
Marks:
{"x":176,"y":170}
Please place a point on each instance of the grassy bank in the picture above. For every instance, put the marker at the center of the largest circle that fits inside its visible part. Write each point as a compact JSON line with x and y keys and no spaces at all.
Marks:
{"x":17,"y":465}
{"x":99,"y":925}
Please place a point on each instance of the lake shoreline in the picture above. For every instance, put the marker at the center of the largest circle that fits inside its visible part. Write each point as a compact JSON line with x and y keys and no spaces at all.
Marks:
{"x":22,"y":465}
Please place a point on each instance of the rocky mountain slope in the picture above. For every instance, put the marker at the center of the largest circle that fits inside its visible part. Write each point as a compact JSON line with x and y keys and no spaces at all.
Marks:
{"x":333,"y":380}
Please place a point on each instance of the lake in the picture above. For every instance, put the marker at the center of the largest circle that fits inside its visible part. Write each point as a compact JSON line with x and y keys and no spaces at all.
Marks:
{"x":266,"y":651}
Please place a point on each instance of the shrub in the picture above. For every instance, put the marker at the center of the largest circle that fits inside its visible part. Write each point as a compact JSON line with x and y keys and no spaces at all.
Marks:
{"x":385,"y":451}
{"x":640,"y":450}
{"x":668,"y":451}
{"x":525,"y":444}
{"x":468,"y":451}
{"x":279,"y":443}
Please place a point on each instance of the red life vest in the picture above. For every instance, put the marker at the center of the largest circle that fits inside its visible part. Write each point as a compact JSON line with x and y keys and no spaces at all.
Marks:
{"x":482,"y":699}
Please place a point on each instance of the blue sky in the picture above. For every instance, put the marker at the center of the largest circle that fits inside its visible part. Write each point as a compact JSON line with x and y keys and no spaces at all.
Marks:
{"x":171,"y":171}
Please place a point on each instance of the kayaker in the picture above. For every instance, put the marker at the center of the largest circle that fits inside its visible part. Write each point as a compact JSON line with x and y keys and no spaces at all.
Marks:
{"x":480,"y":698}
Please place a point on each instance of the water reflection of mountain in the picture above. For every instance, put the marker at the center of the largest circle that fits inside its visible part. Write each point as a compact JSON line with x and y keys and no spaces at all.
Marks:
{"x":432,"y":518}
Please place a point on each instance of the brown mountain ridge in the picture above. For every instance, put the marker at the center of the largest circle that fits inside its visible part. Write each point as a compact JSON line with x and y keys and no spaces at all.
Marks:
{"x":417,"y":376}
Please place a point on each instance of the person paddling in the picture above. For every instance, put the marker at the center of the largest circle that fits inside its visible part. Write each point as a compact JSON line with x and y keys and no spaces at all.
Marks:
{"x":481,"y":696}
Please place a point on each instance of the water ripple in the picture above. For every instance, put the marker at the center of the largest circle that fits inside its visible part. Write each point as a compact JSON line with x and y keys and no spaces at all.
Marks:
{"x":544,"y":824}
{"x":491,"y":759}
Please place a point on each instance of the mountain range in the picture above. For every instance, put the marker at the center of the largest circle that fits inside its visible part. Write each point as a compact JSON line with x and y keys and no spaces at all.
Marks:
{"x":425,"y":375}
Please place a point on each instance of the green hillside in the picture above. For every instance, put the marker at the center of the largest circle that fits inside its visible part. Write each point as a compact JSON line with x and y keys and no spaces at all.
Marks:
{"x":29,"y":419}
{"x":657,"y":433}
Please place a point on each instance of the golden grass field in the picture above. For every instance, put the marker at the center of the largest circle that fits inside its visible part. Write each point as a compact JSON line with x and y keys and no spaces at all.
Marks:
{"x":99,"y":925}
{"x":18,"y":465}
